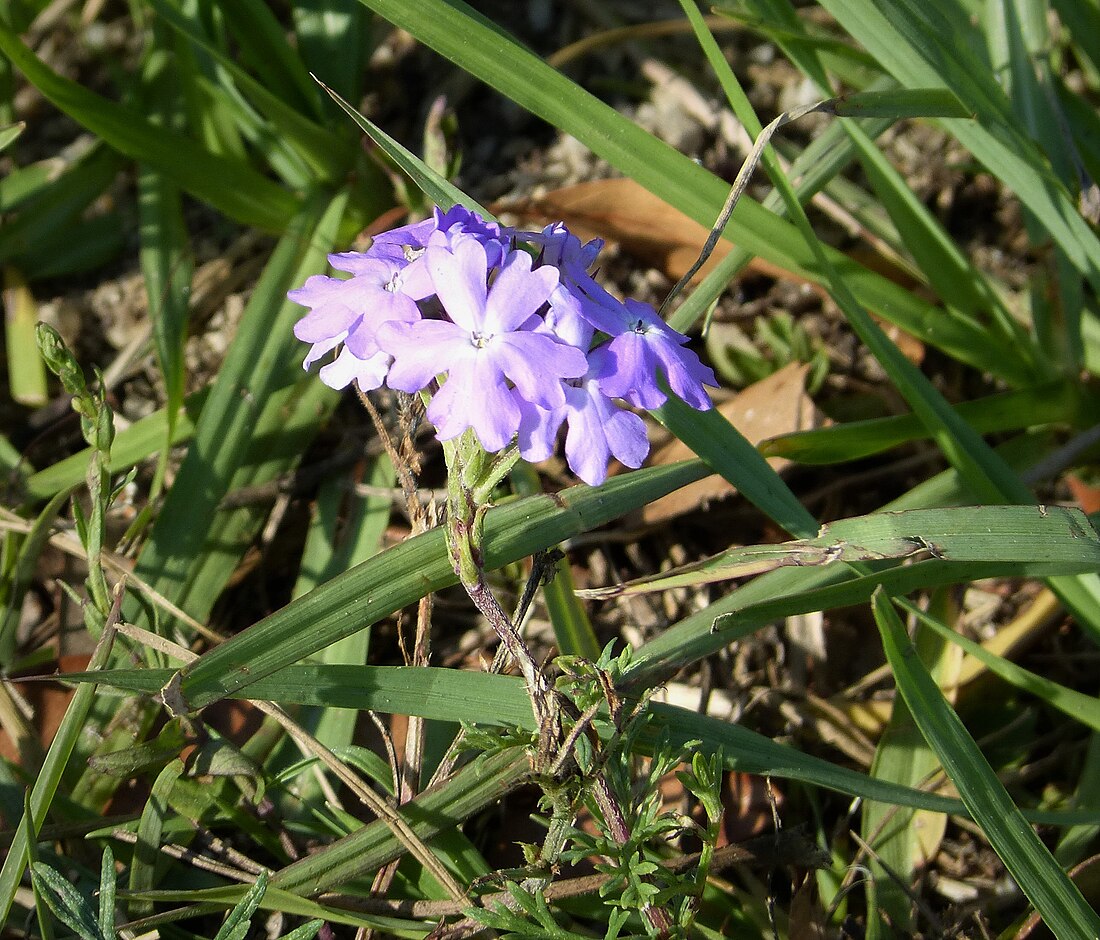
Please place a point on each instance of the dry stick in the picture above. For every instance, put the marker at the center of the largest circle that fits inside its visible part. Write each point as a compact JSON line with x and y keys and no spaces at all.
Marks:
{"x":738,"y":189}
{"x":403,"y":459}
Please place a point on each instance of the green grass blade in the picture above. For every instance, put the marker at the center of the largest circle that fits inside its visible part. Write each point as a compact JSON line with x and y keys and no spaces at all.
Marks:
{"x":150,"y":831}
{"x":26,"y":370}
{"x":261,"y":360}
{"x":572,"y":628}
{"x":923,"y":51}
{"x":481,"y":783}
{"x":46,"y":216}
{"x":10,"y":132}
{"x":1062,"y":537}
{"x":167,"y":268}
{"x":1060,"y":402}
{"x":329,"y":155}
{"x":230,"y":186}
{"x":1039,"y":876}
{"x":1077,"y":705}
{"x":107,"y":884}
{"x":131,"y":445}
{"x":439,"y":190}
{"x":236,"y":924}
{"x":727,"y":452}
{"x":460,"y":34}
{"x":495,"y":700}
{"x":65,"y":902}
{"x":334,"y":41}
{"x":901,"y":839}
{"x":401,"y":575}
{"x":18,"y":579}
{"x":263,"y":47}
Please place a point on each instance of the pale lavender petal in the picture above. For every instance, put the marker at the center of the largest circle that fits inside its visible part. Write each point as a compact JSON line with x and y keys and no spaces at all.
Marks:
{"x":537,"y":363}
{"x":685,"y":373}
{"x":585,"y":445}
{"x":324,"y":322}
{"x":564,"y":319}
{"x":317,"y":290}
{"x":626,"y":436}
{"x":386,"y":307}
{"x":422,"y":350}
{"x":347,"y":368}
{"x":599,"y":429}
{"x":630,"y":371}
{"x":317,"y":350}
{"x":459,"y":277}
{"x":606,"y":313}
{"x":475,"y":396}
{"x":538,"y":431}
{"x":517,"y":292}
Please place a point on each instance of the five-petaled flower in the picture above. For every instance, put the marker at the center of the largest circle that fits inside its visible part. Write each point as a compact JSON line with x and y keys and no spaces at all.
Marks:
{"x":507,"y":332}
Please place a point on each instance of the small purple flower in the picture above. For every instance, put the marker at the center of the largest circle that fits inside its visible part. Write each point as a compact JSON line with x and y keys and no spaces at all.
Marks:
{"x":596,"y":428}
{"x":510,"y":339}
{"x":483,"y":346}
{"x":642,"y":348}
{"x":350,"y":312}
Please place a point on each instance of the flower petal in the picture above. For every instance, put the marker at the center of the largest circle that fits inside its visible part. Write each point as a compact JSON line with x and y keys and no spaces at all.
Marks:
{"x":347,"y":368}
{"x":459,"y":276}
{"x":517,"y":292}
{"x":422,"y":350}
{"x":537,"y":363}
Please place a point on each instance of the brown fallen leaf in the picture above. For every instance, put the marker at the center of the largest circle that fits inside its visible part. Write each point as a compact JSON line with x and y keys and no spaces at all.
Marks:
{"x":774,"y":405}
{"x":622,"y":211}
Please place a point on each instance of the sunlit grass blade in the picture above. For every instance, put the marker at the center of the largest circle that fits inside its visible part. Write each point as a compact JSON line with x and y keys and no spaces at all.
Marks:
{"x":439,"y":190}
{"x":10,"y":132}
{"x":1039,"y":876}
{"x":727,"y":452}
{"x":903,"y":841}
{"x":26,"y":371}
{"x":19,"y":576}
{"x":327,"y":153}
{"x":139,"y":441}
{"x":230,"y":186}
{"x":263,"y":47}
{"x":334,"y":40}
{"x":474,"y":787}
{"x":495,"y":700}
{"x":167,"y":268}
{"x":402,"y":574}
{"x":200,"y":901}
{"x":969,"y":534}
{"x":150,"y":831}
{"x":481,"y":48}
{"x":260,"y":361}
{"x":1061,"y":402}
{"x":47,"y":214}
{"x":572,"y":628}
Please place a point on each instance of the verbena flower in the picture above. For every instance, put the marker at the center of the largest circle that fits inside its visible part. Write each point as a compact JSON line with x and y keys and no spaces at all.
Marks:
{"x":491,"y":362}
{"x":520,"y":346}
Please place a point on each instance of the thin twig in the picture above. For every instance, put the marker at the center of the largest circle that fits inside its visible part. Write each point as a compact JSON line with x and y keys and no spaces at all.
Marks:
{"x":737,"y":190}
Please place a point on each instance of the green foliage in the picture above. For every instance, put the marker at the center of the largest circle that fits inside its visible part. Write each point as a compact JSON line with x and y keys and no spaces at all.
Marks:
{"x":217,"y":127}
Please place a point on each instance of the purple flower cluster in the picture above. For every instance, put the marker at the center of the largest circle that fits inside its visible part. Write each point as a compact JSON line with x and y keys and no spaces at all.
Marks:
{"x":520,"y":337}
